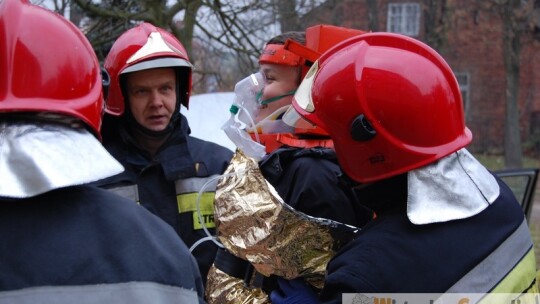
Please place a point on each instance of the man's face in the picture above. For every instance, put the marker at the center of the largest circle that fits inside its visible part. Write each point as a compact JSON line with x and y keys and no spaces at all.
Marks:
{"x":152,"y":97}
{"x":278,"y":80}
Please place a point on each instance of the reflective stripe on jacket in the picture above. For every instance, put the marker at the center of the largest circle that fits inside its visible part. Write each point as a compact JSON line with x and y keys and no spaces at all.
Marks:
{"x":188,"y":197}
{"x":128,"y":293}
{"x":196,"y":196}
{"x":509,"y":269}
{"x":85,"y":245}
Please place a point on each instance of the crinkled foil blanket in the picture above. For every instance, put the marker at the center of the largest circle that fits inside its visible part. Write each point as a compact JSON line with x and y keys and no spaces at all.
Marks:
{"x":225,"y":289}
{"x":255,"y":224}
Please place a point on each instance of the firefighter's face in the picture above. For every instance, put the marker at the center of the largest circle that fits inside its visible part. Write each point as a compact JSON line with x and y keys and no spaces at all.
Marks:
{"x":152,"y":97}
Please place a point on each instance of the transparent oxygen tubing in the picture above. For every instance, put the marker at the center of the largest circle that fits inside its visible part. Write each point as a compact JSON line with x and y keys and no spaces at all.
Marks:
{"x":235,"y":129}
{"x":251,"y":121}
{"x":209,"y":236}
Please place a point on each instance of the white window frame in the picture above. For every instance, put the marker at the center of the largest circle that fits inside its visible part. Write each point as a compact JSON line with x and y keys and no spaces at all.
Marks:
{"x":464,"y":81}
{"x":404,"y":18}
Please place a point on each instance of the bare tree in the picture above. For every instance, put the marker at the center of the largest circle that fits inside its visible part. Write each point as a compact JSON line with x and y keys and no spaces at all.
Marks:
{"x":213,"y":32}
{"x":223,"y":38}
{"x":373,"y":15}
{"x":59,"y":6}
{"x":509,"y":11}
{"x":437,"y":15}
{"x":288,"y":15}
{"x":517,"y":18}
{"x":112,"y":17}
{"x":232,"y":34}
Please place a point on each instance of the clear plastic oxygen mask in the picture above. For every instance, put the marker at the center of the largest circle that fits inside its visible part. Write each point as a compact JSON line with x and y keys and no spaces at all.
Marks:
{"x":243,"y":110}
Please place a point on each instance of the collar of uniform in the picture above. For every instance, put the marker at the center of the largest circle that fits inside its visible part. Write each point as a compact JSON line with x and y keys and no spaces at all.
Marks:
{"x":173,"y":157}
{"x":455,"y":187}
{"x":272,"y":164}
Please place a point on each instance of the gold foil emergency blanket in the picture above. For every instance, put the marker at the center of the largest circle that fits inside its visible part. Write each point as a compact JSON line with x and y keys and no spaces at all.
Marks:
{"x":225,"y":289}
{"x":255,"y":224}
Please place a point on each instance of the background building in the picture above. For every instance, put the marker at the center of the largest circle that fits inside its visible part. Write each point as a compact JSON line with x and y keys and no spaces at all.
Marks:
{"x":469,"y":35}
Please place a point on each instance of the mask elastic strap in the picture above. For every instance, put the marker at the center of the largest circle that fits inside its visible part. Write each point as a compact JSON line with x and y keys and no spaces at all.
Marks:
{"x":269,"y":100}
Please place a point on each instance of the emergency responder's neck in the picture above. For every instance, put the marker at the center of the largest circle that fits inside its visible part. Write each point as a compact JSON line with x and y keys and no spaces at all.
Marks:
{"x":149,"y":143}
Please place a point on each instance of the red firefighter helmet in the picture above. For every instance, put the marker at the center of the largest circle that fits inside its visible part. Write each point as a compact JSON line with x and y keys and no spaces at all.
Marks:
{"x":47,"y":65}
{"x":144,"y":47}
{"x":390,"y":103}
{"x":319,"y":38}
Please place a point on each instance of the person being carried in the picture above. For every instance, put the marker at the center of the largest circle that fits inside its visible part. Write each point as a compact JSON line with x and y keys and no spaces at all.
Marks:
{"x":63,"y":240}
{"x":166,"y":168}
{"x":299,"y":163}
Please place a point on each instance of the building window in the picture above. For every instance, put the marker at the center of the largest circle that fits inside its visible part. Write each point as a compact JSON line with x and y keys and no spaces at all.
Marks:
{"x":463,"y":80}
{"x":404,"y":18}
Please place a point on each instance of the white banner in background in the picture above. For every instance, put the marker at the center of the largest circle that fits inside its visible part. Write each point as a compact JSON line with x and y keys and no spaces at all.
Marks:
{"x":437,"y":298}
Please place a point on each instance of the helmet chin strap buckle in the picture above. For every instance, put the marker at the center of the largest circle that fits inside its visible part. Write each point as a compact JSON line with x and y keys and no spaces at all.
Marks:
{"x":361,"y":129}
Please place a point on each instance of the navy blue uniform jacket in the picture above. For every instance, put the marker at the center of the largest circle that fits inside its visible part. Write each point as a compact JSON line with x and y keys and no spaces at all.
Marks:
{"x":168,"y":184}
{"x":85,"y":236}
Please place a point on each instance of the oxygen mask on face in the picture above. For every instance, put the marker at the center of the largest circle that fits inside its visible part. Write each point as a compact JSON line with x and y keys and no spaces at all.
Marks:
{"x":243,"y":111}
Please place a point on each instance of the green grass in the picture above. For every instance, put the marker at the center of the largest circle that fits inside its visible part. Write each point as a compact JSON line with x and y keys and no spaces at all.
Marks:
{"x":496,"y":162}
{"x":535,"y":233}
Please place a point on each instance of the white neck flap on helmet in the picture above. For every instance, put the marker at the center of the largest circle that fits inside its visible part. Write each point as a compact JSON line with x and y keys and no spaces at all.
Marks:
{"x":40,"y":157}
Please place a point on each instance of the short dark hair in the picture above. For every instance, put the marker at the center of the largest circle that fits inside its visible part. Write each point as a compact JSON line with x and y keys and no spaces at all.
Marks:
{"x":298,"y":36}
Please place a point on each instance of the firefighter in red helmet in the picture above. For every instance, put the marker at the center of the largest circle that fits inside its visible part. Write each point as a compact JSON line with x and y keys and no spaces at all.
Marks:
{"x":166,"y":168}
{"x":64,"y":240}
{"x":444,"y":224}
